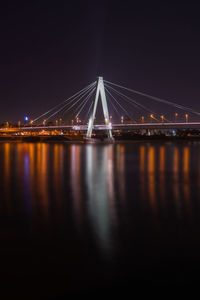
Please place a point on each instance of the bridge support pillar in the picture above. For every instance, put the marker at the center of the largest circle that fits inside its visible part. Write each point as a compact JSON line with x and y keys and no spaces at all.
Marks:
{"x":100,"y":90}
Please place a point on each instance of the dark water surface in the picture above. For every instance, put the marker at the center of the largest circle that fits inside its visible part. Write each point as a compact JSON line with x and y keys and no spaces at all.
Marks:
{"x":85,"y":218}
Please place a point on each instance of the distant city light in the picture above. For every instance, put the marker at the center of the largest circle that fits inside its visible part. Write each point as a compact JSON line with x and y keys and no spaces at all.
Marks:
{"x":26,"y":118}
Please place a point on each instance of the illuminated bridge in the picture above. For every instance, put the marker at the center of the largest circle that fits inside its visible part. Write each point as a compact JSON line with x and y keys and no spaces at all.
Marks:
{"x":123,"y":109}
{"x":134,"y":126}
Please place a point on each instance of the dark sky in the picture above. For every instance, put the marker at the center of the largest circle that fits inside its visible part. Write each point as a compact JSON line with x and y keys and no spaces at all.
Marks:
{"x":49,"y":50}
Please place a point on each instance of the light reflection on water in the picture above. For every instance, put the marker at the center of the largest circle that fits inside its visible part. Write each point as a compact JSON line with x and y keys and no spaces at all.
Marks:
{"x":99,"y":190}
{"x":39,"y":169}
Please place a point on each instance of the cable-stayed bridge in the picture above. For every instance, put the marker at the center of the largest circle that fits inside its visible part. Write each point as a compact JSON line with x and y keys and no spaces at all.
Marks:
{"x":103,"y":105}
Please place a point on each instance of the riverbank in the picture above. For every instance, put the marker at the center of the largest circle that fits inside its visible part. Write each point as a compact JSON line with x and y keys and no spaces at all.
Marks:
{"x":38,"y":139}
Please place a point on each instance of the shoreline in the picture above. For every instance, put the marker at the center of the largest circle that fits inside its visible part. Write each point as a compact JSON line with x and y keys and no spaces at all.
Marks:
{"x":79,"y":139}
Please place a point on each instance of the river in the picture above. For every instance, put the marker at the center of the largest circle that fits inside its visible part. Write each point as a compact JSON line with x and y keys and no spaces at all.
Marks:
{"x":89,"y":218}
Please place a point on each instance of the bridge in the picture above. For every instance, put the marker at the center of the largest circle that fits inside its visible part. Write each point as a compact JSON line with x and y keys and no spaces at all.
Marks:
{"x":134,"y":126}
{"x":123,"y":109}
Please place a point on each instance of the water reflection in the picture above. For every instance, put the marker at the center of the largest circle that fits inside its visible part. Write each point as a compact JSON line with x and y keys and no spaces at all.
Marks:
{"x":100,"y":192}
{"x":186,"y":177}
{"x":176,"y":184}
{"x":151,"y":177}
{"x":7,"y":176}
{"x":58,"y":168}
{"x":142,"y":171}
{"x":162,"y":176}
{"x":88,"y":185}
{"x":166,"y":182}
{"x":76,"y":181}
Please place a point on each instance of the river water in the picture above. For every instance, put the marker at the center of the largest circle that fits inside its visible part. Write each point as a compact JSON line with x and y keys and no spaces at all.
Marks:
{"x":95,"y":218}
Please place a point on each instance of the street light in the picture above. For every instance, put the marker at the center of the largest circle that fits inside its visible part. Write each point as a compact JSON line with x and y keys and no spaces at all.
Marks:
{"x":176,"y":115}
{"x":142,"y":119}
{"x":122,"y":119}
{"x":186,"y":118}
{"x":162,"y":118}
{"x":44,"y":122}
{"x":151,"y":116}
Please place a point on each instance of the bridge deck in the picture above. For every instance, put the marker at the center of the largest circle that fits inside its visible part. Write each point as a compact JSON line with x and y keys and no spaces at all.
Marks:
{"x":134,"y":126}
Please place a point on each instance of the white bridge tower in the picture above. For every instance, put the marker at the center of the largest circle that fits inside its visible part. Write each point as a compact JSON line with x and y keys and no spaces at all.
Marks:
{"x":100,"y":90}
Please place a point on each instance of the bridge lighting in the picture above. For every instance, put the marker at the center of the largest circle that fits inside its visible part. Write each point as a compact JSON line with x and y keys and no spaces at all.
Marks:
{"x":122,"y":119}
{"x":186,"y":118}
{"x":142,"y":119}
{"x":26,"y":118}
{"x":152,"y":117}
{"x":89,"y":123}
{"x":110,"y":117}
{"x":162,"y":118}
{"x":56,"y":122}
{"x":44,"y":122}
{"x":176,"y":115}
{"x":19,"y":123}
{"x":72,"y":122}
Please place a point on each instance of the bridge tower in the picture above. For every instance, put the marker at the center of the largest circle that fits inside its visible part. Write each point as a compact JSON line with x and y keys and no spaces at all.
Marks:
{"x":100,"y":90}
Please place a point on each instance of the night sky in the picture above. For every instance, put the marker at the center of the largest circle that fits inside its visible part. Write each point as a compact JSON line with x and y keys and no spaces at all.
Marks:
{"x":50,"y":50}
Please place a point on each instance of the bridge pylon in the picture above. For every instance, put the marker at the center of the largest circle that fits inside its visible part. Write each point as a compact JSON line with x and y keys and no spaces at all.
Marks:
{"x":100,"y":91}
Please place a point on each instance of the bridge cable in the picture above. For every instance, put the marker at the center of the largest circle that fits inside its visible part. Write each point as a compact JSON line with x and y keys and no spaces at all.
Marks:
{"x":157,"y":99}
{"x":83,"y":95}
{"x":119,"y":104}
{"x":130,"y":100}
{"x":115,"y":108}
{"x":74,"y":96}
{"x":85,"y":102}
{"x":89,"y":108}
